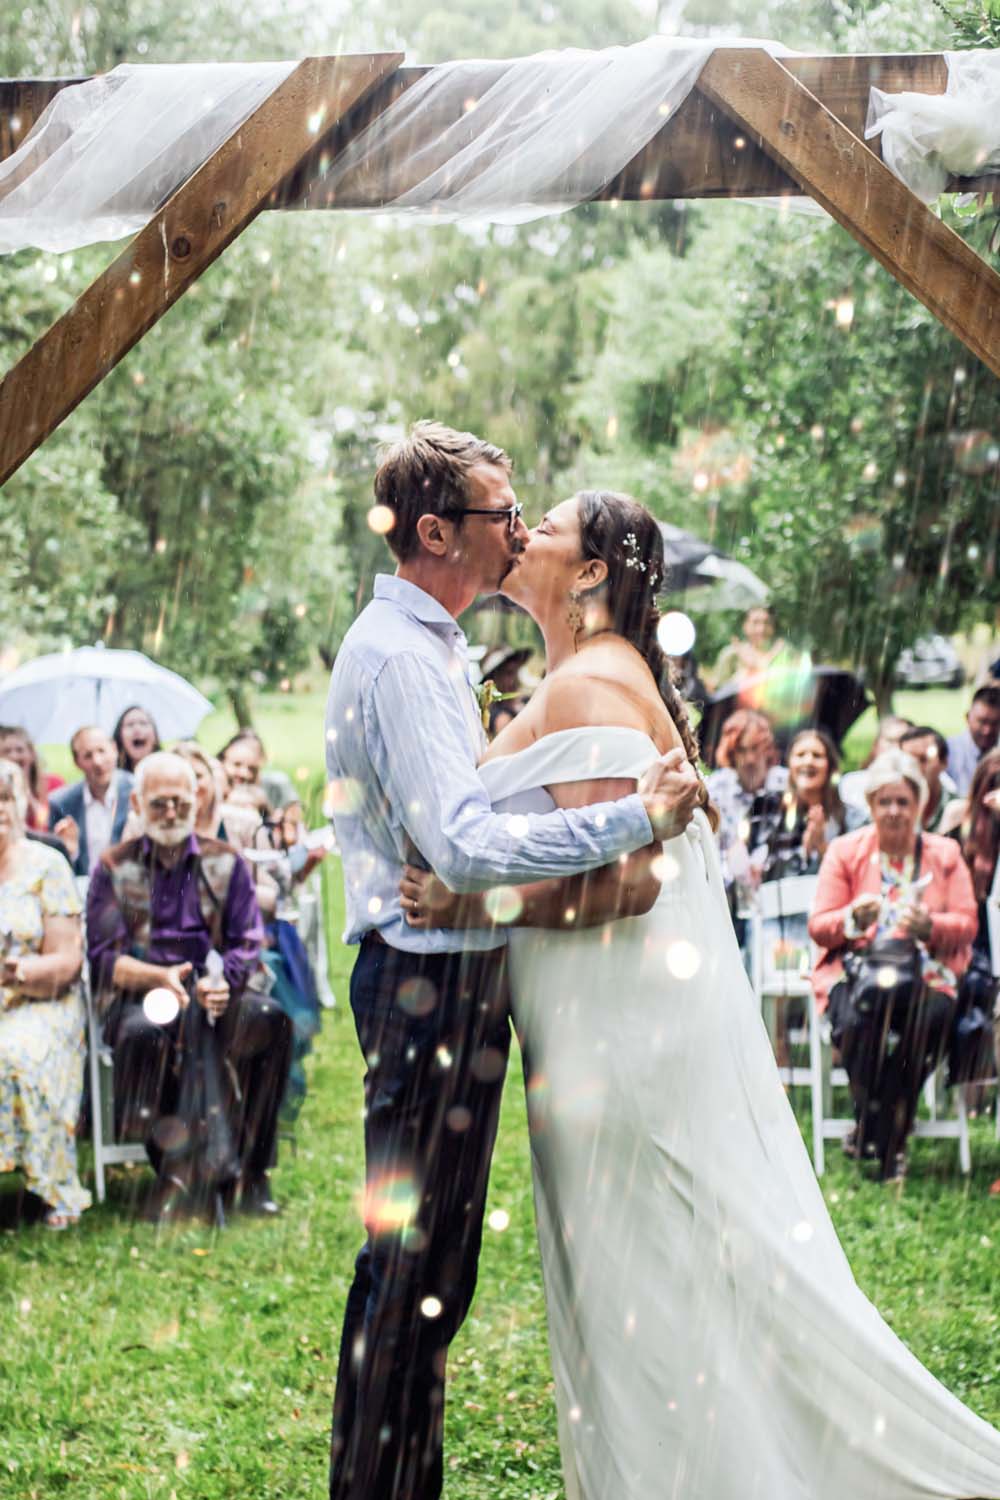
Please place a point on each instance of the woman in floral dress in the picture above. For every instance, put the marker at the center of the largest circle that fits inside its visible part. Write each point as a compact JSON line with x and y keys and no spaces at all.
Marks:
{"x":41,"y":1012}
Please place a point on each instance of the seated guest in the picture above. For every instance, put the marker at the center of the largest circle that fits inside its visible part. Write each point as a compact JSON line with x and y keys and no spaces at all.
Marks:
{"x":243,"y":758}
{"x":18,"y":746}
{"x":930,"y":751}
{"x":41,"y":1012}
{"x":747,"y":765}
{"x":891,"y":728}
{"x":977,"y":833}
{"x":753,"y":651}
{"x":89,"y":816}
{"x":244,"y":761}
{"x":978,"y":738}
{"x":157,"y":907}
{"x":789,"y":832}
{"x":232,"y":823}
{"x":904,"y":899}
{"x":135,"y":736}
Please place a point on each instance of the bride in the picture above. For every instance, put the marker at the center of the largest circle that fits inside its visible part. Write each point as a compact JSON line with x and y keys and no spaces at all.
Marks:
{"x":708,"y":1339}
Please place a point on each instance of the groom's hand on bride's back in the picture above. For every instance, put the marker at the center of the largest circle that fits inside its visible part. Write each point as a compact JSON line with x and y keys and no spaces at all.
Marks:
{"x":669,"y":792}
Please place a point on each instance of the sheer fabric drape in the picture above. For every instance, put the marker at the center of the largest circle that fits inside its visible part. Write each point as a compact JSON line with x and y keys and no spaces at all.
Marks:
{"x":500,"y":142}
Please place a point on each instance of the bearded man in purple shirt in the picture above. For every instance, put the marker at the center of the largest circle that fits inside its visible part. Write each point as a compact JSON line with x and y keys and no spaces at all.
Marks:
{"x":157,"y":907}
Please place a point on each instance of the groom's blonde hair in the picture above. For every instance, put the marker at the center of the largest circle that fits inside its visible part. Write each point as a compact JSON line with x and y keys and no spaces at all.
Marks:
{"x":427,"y":473}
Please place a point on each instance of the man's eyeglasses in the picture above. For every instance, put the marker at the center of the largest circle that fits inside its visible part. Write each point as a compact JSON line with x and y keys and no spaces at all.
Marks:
{"x":181,"y":805}
{"x":509,"y":513}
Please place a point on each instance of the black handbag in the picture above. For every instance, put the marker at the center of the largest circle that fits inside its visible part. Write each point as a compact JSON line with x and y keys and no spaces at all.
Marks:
{"x":884,"y":976}
{"x":888,"y":973}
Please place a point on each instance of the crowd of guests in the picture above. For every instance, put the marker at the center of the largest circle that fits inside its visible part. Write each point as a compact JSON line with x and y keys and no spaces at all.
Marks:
{"x":207,"y":1000}
{"x":905,"y":854}
{"x":165,"y":878}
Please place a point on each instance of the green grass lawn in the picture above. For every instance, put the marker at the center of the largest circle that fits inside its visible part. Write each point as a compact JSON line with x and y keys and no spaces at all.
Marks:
{"x":184,"y":1363}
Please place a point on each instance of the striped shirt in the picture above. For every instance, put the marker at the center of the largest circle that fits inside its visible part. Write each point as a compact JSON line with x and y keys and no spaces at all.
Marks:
{"x":403,"y":737}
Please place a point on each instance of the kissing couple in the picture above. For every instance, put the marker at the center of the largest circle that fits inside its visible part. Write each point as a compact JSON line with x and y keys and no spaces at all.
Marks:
{"x":707,"y":1336}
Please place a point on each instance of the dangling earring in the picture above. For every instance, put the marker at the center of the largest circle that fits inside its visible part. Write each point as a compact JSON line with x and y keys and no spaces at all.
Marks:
{"x":574,"y":614}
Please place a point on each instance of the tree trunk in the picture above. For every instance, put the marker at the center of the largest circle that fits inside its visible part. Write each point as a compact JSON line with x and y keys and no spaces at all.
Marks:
{"x":880,"y":686}
{"x":240,"y":701}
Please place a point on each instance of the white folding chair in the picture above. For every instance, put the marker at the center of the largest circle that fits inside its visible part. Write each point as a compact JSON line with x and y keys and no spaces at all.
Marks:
{"x":781,"y":970}
{"x":938,"y":1128}
{"x":107,"y":1151}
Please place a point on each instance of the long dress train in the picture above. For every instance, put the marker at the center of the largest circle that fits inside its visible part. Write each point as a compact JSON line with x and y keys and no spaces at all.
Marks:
{"x":708,"y":1339}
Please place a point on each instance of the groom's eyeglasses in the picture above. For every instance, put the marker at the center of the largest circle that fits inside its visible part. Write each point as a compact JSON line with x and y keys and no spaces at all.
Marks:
{"x":509,"y":514}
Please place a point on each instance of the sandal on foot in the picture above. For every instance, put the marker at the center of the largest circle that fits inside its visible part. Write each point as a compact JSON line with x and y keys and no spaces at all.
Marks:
{"x":55,"y":1219}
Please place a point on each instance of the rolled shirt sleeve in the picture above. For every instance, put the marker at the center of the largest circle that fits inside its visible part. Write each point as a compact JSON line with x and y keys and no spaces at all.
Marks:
{"x":419,"y":748}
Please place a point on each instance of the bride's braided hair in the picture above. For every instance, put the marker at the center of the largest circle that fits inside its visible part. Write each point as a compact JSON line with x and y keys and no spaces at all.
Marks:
{"x":621,"y":533}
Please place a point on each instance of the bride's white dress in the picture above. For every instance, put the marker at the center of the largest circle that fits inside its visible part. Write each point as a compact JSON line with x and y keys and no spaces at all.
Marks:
{"x":708,"y":1339}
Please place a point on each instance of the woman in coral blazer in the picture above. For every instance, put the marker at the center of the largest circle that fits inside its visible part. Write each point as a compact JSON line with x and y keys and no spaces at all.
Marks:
{"x":869,"y":888}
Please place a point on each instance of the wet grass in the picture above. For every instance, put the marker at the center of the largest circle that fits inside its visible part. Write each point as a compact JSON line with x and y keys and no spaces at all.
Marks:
{"x":141,"y":1363}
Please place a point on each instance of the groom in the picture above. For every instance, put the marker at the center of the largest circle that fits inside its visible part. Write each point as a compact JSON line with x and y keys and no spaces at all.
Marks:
{"x":403,"y":739}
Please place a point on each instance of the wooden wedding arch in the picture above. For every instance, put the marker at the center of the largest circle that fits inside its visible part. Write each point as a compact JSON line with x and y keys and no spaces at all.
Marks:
{"x":753,"y":126}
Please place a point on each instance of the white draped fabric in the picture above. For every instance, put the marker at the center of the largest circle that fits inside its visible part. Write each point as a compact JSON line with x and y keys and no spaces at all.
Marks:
{"x":106,"y":153}
{"x":530,"y":137}
{"x":927,"y":138}
{"x":534,"y":138}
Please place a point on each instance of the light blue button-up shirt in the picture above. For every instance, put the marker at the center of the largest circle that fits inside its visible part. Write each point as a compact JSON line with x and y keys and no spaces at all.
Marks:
{"x":403,"y":738}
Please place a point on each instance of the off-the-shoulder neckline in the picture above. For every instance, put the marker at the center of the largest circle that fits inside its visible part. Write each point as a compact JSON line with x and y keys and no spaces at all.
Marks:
{"x":559,"y":734}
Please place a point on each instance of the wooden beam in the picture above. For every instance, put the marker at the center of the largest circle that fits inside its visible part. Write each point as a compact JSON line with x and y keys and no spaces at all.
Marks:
{"x":21,"y":102}
{"x":779,"y":113}
{"x":180,"y":242}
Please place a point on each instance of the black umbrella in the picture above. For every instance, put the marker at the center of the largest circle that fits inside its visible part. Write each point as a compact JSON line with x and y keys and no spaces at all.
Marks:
{"x":682,"y":552}
{"x":794,"y":695}
{"x":696,"y":564}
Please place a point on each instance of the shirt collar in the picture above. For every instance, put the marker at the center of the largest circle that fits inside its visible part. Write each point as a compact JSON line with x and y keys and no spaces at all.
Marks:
{"x":191,"y":849}
{"x":109,"y":798}
{"x":416,"y":602}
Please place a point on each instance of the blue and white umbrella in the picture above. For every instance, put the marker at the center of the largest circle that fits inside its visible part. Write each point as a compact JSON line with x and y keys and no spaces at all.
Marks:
{"x":54,"y":695}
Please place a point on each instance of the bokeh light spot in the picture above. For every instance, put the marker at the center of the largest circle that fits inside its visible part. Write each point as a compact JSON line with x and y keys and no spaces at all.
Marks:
{"x":683,"y":959}
{"x":488,"y":1064}
{"x":381,"y":520}
{"x":417,"y":996}
{"x":503,"y":904}
{"x":343,"y":796}
{"x":160,"y":1006}
{"x":389,"y":1202}
{"x":676,"y":633}
{"x":664,"y":868}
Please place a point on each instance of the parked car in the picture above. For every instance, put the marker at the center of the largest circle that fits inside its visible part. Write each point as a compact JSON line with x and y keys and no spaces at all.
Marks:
{"x":932,"y":661}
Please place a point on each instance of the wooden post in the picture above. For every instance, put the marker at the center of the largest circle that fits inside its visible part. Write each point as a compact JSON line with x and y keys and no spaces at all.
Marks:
{"x":205,"y":215}
{"x":819,"y":152}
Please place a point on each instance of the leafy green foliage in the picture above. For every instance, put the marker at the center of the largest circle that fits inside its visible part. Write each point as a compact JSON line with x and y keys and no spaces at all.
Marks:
{"x":974,"y":23}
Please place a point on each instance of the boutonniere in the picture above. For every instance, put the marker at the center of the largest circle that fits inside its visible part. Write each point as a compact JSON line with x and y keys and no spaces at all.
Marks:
{"x":487,"y":693}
